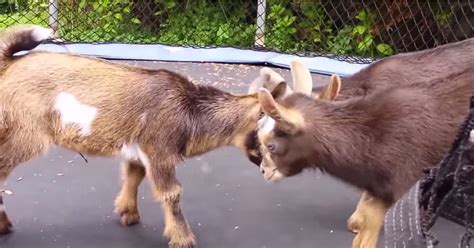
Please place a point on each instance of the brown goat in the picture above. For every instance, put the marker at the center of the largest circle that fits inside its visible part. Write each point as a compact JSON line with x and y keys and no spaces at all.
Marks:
{"x":153,"y":119}
{"x":398,"y":70}
{"x":379,"y":142}
{"x":408,"y":69}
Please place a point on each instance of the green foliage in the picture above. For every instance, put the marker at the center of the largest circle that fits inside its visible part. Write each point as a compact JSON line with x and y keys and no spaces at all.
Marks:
{"x":341,"y":43}
{"x":202,"y":23}
{"x":314,"y":27}
{"x":291,"y":25}
{"x":281,"y":34}
{"x":206,"y":24}
{"x":8,"y":6}
{"x":364,"y":40}
{"x":314,"y":30}
{"x":23,"y":12}
{"x":99,"y":20}
{"x":443,"y":17}
{"x":359,"y":39}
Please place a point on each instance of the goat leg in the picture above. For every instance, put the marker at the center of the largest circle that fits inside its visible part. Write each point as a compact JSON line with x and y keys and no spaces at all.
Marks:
{"x":368,"y":220}
{"x":133,"y":173}
{"x":167,"y":190}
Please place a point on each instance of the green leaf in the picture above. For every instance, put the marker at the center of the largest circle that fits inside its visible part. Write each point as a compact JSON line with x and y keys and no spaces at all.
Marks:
{"x":159,"y":12}
{"x":365,"y":43}
{"x":385,"y":49}
{"x":82,"y":4}
{"x":359,"y":29}
{"x":170,"y":5}
{"x":368,"y":40}
{"x":362,"y":15}
{"x":135,"y":20}
{"x":118,"y":16}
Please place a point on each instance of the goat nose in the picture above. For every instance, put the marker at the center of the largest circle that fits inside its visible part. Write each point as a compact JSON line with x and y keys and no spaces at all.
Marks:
{"x":262,"y":171}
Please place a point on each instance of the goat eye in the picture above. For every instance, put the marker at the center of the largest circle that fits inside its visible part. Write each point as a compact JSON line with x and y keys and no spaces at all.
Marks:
{"x":279,"y":133}
{"x":271,"y":147}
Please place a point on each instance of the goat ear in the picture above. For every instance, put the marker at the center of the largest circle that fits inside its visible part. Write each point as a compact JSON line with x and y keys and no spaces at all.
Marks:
{"x":268,"y":78}
{"x":302,"y":81}
{"x":331,"y":91}
{"x":276,"y":82}
{"x":281,"y":91}
{"x":273,"y":77}
{"x":287,"y":121}
{"x":258,"y":83}
{"x":269,"y":106}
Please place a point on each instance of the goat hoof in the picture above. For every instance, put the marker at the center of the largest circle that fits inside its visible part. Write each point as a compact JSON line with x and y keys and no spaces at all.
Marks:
{"x":183,"y":240}
{"x":354,"y":223}
{"x":128,"y":218}
{"x":183,"y":244}
{"x":5,"y":227}
{"x":363,"y":240}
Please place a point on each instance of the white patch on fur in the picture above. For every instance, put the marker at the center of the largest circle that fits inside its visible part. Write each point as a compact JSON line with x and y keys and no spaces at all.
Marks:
{"x":266,"y":124}
{"x":471,"y":137}
{"x":40,"y":33}
{"x":130,"y":152}
{"x":277,"y":176}
{"x":143,"y":119}
{"x":144,"y":158}
{"x":74,"y":112}
{"x":271,"y":174}
{"x":133,"y":152}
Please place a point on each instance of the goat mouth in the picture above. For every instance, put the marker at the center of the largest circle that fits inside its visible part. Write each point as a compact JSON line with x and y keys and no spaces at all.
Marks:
{"x":271,"y":175}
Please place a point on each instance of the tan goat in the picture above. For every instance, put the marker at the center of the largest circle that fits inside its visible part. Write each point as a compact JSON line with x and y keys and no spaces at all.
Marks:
{"x":153,"y":119}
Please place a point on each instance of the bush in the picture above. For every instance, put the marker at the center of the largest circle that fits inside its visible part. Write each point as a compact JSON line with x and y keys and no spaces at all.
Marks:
{"x":304,"y":26}
{"x":291,"y":26}
{"x":23,"y":12}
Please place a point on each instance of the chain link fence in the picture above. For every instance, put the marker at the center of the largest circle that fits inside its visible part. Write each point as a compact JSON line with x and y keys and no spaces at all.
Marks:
{"x":355,"y":31}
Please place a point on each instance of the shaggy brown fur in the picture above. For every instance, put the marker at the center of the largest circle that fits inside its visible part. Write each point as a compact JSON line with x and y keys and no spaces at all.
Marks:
{"x":379,"y":143}
{"x":408,"y":68}
{"x":398,"y":70}
{"x":154,"y":119}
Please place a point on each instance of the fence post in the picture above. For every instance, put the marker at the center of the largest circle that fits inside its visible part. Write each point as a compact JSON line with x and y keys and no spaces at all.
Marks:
{"x":53,"y":16}
{"x":261,"y":16}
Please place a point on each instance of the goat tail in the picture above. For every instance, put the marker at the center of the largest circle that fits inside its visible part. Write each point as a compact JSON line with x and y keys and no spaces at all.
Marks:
{"x":21,"y":38}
